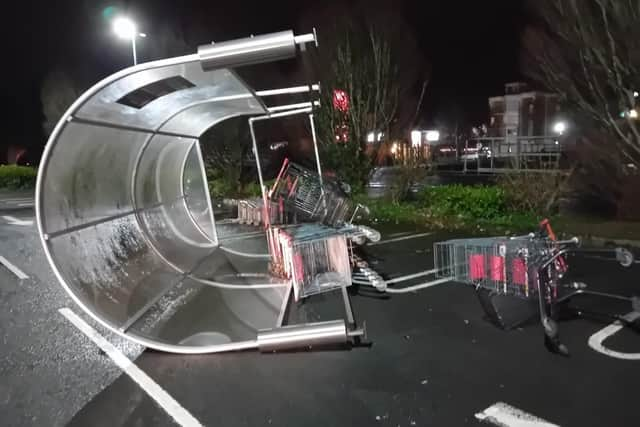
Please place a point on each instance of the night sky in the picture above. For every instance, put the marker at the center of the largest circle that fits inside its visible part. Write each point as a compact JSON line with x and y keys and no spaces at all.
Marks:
{"x":472,"y":46}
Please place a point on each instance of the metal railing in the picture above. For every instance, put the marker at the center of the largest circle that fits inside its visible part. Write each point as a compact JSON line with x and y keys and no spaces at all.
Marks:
{"x":505,"y":154}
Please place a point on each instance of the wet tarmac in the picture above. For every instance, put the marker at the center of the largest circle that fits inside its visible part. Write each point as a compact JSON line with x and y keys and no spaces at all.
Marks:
{"x":434,"y":360}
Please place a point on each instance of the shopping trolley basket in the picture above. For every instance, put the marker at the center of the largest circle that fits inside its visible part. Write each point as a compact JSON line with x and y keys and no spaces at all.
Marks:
{"x":302,"y":194}
{"x":527,"y":267}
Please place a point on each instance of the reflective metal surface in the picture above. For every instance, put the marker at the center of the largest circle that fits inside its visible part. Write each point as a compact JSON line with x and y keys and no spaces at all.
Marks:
{"x":124,"y":213}
{"x":248,"y":51}
{"x":297,"y":336}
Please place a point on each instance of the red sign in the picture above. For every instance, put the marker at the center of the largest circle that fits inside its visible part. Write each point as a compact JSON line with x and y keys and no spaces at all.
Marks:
{"x":340,"y":100}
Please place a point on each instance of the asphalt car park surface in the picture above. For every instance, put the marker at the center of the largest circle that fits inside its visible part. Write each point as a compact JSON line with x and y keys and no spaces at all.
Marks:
{"x":49,"y":370}
{"x":433,"y":358}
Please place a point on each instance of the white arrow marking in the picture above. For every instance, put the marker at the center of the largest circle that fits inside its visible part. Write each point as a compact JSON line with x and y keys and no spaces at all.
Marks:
{"x":503,"y":415}
{"x":15,"y":221}
{"x":596,"y":340}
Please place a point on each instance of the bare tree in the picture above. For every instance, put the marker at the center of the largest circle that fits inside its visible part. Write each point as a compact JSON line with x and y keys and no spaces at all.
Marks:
{"x":380,"y":69}
{"x":363,"y":69}
{"x":59,"y":91}
{"x":588,"y":51}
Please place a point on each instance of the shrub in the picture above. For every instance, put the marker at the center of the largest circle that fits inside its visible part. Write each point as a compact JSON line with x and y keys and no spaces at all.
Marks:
{"x":409,"y":174}
{"x":223,"y":188}
{"x":480,"y":202}
{"x":534,"y":192}
{"x":383,"y":211}
{"x":348,"y":163}
{"x":252,"y":189}
{"x":17,"y":177}
{"x":219,"y":188}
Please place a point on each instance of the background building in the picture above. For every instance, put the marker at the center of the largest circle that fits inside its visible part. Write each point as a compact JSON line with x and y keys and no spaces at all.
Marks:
{"x":522,"y":112}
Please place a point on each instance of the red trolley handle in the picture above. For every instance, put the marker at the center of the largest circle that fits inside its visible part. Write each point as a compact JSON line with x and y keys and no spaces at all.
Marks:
{"x":545,"y":227}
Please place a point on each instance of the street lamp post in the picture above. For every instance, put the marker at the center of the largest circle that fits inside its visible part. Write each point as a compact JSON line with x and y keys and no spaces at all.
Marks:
{"x":133,"y":49}
{"x":126,"y":29}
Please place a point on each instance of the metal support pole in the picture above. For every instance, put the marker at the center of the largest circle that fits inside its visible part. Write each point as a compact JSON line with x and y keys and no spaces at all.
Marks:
{"x":255,"y":153}
{"x":466,"y":155}
{"x":493,"y":153}
{"x":304,"y":335}
{"x":315,"y":148}
{"x":203,"y":172}
{"x":133,"y":47}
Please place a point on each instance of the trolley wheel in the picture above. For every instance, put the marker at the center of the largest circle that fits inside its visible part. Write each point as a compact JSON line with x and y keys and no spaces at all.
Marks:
{"x":624,"y":257}
{"x":552,"y":337}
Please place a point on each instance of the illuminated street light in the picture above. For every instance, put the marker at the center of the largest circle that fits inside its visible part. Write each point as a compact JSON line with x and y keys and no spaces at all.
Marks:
{"x":126,"y":29}
{"x":636,"y":94}
{"x":433,"y":135}
{"x":371,"y":137}
{"x":633,"y":114}
{"x":560,"y":127}
{"x":416,"y":138}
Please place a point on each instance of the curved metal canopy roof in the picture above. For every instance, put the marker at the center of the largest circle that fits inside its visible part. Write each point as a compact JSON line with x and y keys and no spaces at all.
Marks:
{"x":123,"y":207}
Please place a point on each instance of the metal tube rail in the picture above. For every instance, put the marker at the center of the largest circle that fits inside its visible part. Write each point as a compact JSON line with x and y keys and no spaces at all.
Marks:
{"x":251,"y":50}
{"x":255,"y":143}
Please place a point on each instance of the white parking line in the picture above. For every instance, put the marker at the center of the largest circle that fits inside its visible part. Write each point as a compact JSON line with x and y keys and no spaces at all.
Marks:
{"x":596,"y":340}
{"x":404,"y":233}
{"x":19,"y":199}
{"x":12,"y":220}
{"x":503,"y":415}
{"x":157,"y":393}
{"x":12,"y":268}
{"x":398,"y":239}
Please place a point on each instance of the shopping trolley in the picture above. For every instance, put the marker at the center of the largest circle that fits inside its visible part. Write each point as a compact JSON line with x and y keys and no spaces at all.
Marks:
{"x":311,"y":235}
{"x":527,"y":267}
{"x":303,"y":196}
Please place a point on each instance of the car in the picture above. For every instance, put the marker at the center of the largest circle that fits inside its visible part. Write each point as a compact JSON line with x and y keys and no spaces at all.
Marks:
{"x":383,"y":180}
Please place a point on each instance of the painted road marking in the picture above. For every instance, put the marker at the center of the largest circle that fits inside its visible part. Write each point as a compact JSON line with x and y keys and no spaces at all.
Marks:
{"x":596,"y":340}
{"x":12,"y":268}
{"x":503,"y":415}
{"x":398,"y":239}
{"x":12,"y":220}
{"x":157,"y":393}
{"x":404,"y":233}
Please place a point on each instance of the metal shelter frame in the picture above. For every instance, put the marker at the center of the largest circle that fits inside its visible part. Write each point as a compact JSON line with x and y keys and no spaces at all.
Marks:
{"x":124,"y":213}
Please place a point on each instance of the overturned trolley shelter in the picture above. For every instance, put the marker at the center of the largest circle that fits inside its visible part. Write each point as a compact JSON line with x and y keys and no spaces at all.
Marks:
{"x":125,"y":218}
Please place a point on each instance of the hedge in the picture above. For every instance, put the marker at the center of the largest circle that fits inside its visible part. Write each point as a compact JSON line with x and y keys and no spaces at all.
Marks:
{"x":463,"y":201}
{"x":15,"y":177}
